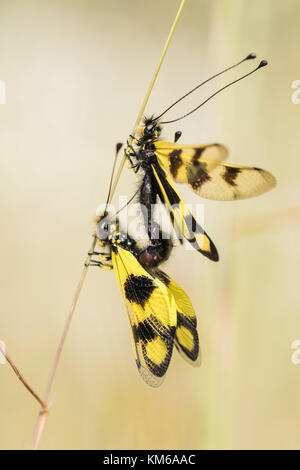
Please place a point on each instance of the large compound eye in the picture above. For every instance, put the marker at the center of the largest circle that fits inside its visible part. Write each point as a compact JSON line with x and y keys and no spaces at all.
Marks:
{"x":103,"y":229}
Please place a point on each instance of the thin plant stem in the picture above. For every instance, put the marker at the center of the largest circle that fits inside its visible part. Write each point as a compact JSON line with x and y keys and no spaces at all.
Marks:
{"x":44,"y":408}
{"x":38,"y":430}
{"x":41,"y":420}
{"x":146,"y":99}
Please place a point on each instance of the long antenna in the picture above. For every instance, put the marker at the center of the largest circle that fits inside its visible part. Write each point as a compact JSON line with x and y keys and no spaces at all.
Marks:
{"x":249,"y":57}
{"x":144,"y":104}
{"x":263,"y":63}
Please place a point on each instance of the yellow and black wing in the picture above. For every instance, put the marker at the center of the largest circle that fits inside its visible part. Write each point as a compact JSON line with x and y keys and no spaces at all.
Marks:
{"x":186,"y":336}
{"x":152,"y":316}
{"x":181,"y":217}
{"x":203,"y":170}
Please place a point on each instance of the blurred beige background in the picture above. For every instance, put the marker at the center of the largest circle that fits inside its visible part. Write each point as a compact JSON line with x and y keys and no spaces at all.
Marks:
{"x":76,"y":73}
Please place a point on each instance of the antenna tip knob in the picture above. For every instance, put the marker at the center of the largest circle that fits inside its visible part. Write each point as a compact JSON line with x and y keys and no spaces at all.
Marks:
{"x":250,"y":56}
{"x":263,"y":63}
{"x":118,"y":146}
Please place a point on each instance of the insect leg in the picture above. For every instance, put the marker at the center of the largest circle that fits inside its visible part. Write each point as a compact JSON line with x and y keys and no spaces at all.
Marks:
{"x":99,"y":264}
{"x":103,"y":256}
{"x":135,"y":140}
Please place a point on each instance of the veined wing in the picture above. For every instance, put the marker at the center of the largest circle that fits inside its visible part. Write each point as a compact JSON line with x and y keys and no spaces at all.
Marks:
{"x":174,"y":158}
{"x":226,"y":182}
{"x":152,"y":316}
{"x":186,"y":336}
{"x":211,"y":178}
{"x":182,"y":218}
